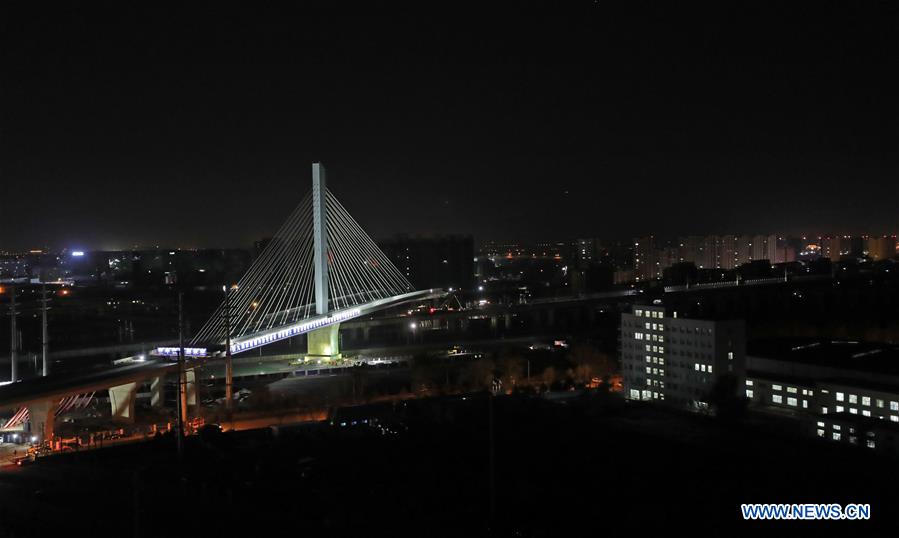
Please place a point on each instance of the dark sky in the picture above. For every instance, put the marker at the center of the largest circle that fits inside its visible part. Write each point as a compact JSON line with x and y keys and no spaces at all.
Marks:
{"x":197,"y":128}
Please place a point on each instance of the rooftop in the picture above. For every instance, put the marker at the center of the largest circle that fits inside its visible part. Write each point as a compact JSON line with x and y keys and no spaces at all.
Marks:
{"x":843,"y":354}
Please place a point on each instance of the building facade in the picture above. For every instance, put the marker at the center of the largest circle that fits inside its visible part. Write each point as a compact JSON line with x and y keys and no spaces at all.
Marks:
{"x":841,"y":391}
{"x":679,"y":361}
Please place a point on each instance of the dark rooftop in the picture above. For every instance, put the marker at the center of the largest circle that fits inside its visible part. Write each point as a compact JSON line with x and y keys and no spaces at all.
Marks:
{"x":843,"y":354}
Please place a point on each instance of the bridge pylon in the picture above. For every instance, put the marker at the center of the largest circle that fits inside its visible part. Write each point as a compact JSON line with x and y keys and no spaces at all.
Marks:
{"x":320,"y":269}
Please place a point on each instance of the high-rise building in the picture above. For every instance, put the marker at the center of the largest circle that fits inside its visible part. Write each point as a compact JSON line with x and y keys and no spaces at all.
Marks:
{"x":679,"y":361}
{"x":645,"y":259}
{"x":880,"y":248}
{"x":758,"y":248}
{"x":784,"y":252}
{"x":433,"y":262}
{"x":587,"y":251}
{"x":771,"y":248}
{"x":733,"y":253}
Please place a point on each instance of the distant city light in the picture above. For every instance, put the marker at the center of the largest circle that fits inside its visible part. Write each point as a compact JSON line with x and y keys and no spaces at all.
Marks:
{"x":78,"y":253}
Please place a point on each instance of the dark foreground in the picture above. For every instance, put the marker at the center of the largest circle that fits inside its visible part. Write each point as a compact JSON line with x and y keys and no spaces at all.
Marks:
{"x":588,"y":467}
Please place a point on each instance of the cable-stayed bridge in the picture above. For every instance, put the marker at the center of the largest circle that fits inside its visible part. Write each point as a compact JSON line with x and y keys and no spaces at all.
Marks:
{"x":318,"y":270}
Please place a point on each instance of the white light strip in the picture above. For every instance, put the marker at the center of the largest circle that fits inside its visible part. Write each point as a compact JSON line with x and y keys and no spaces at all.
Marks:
{"x":173,"y":351}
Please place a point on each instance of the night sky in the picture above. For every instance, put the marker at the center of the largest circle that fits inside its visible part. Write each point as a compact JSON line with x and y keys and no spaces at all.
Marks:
{"x":197,"y":128}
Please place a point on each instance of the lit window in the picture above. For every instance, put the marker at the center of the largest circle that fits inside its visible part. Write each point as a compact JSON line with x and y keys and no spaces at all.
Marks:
{"x":648,"y":358}
{"x":638,"y":312}
{"x":792,"y":401}
{"x":776,"y":387}
{"x":805,"y":404}
{"x":748,"y":382}
{"x":710,"y":368}
{"x":840,"y":397}
{"x":853,"y":398}
{"x":839,"y":409}
{"x":866,"y":413}
{"x":662,"y":361}
{"x":648,"y":370}
{"x":823,"y":410}
{"x":894,"y":418}
{"x":836,"y":427}
{"x":820,"y":424}
{"x":648,"y":347}
{"x":791,"y":390}
{"x":730,"y":355}
{"x":853,"y":411}
{"x":820,"y":433}
{"x":662,"y":349}
{"x":870,"y":443}
{"x":647,"y":325}
{"x":638,"y":336}
{"x":836,"y":436}
{"x":894,"y":406}
{"x":866,"y":400}
{"x":661,"y":338}
{"x":696,"y":366}
{"x":880,"y":403}
{"x":749,"y":393}
{"x":777,"y":398}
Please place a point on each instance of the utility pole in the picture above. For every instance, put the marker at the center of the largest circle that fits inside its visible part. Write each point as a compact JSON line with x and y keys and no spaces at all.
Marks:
{"x":13,"y":336}
{"x":492,"y":461}
{"x":229,"y":371}
{"x":181,"y":377}
{"x":45,"y":335}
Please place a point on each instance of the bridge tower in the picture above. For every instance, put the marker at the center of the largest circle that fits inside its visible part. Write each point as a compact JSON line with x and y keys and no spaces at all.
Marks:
{"x":324,"y":343}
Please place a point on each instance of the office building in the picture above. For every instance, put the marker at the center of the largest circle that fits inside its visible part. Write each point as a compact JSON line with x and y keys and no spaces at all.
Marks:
{"x":839,"y":390}
{"x":676,"y":360}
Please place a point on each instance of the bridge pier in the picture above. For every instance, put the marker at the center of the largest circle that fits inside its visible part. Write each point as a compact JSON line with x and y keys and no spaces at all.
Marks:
{"x":121,"y":401}
{"x":42,"y":417}
{"x":192,"y":388}
{"x":157,"y":395}
{"x":323,"y":343}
